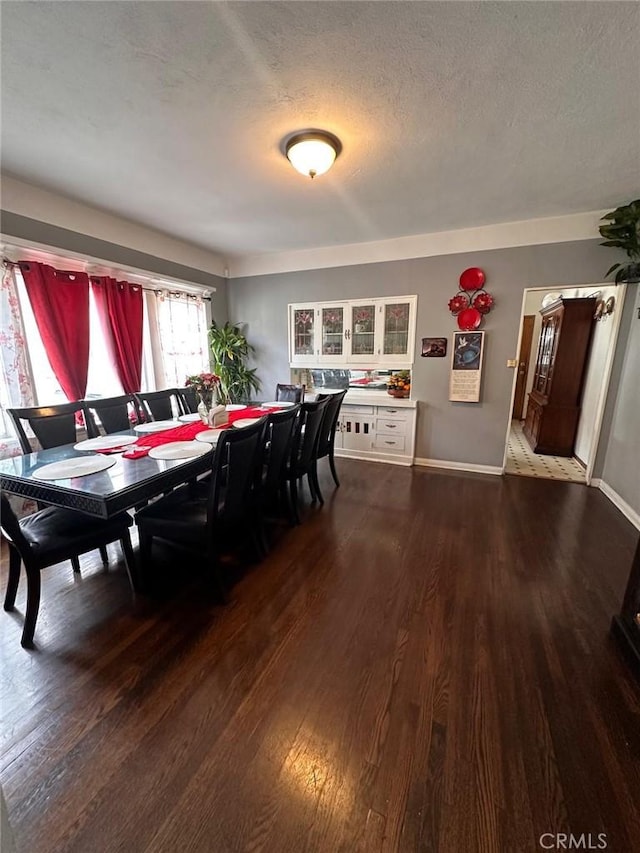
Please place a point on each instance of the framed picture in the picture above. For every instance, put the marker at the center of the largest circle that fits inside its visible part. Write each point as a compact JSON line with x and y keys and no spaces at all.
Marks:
{"x":434,"y":347}
{"x":466,"y":367}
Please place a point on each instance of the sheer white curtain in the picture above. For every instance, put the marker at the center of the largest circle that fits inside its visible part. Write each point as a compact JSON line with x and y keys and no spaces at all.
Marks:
{"x":16,"y":380}
{"x":182,"y":331}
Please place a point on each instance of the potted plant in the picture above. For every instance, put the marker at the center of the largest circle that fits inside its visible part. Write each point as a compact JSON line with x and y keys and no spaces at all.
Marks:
{"x":229,"y":351}
{"x":623,"y":232}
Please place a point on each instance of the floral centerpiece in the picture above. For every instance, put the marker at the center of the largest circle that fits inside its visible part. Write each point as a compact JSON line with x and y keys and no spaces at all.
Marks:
{"x":206,"y":386}
{"x":399,"y":384}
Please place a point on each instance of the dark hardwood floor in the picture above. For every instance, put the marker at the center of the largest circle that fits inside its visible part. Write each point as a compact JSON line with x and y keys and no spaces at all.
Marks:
{"x":423,"y":665}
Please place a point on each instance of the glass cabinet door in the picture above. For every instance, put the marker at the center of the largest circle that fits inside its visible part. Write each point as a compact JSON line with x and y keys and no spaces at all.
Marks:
{"x":397,"y":330}
{"x":303,"y":329}
{"x":332,"y":320}
{"x":362,"y":332}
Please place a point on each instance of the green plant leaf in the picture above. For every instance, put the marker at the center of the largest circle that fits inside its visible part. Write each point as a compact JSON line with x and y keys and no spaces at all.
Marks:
{"x":611,"y":269}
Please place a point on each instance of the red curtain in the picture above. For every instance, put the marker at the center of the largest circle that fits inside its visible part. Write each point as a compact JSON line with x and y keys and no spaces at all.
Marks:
{"x":60,"y":302}
{"x":119,"y":306}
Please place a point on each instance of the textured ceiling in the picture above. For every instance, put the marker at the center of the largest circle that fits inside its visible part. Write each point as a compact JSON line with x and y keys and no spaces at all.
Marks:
{"x":451,"y":114}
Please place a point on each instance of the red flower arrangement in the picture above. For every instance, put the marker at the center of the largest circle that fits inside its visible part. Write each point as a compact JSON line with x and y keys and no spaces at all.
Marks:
{"x":205,"y":385}
{"x":483,"y":302}
{"x":458,"y":303}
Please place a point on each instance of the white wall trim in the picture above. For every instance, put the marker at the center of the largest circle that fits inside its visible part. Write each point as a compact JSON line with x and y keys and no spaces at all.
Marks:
{"x":627,"y":510}
{"x":458,"y":466}
{"x":26,"y":250}
{"x":36,"y":203}
{"x":505,"y":235}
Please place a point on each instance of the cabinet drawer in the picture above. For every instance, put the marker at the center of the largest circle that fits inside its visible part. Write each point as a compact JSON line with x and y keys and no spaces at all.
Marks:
{"x":348,"y":409}
{"x":389,"y":443}
{"x":391,"y":412}
{"x":391,"y":426}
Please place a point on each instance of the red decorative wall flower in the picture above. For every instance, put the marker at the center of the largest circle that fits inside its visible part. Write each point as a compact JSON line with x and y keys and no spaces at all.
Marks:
{"x":458,"y":303}
{"x":483,"y":302}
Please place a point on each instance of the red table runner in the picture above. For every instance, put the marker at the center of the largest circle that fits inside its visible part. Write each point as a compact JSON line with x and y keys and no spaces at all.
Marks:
{"x":189,"y":431}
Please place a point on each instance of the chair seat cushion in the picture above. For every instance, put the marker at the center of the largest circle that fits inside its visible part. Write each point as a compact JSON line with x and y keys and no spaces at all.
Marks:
{"x":179,"y":516}
{"x":53,"y":529}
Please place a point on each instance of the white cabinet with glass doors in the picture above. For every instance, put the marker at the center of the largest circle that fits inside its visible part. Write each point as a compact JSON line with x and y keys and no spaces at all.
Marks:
{"x":362,"y":331}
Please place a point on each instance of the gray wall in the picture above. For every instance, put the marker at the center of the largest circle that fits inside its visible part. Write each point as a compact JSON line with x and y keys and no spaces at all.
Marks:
{"x":472,"y":433}
{"x":14,"y":225}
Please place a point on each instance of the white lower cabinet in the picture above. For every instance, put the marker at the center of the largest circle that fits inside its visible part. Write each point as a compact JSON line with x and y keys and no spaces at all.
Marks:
{"x":379,"y":432}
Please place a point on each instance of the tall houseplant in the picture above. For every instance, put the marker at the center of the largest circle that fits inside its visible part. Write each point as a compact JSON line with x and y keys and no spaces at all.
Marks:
{"x":623,"y":232}
{"x":229,"y":352}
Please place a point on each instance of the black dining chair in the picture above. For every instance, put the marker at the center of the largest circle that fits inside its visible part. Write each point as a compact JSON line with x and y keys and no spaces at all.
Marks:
{"x":303,"y":451}
{"x":110,"y":413}
{"x":188,"y":399}
{"x":159,"y":405}
{"x":51,"y":536}
{"x":290,"y":393}
{"x":278,"y":438}
{"x":197,"y":516}
{"x":53,"y":426}
{"x":327,"y":438}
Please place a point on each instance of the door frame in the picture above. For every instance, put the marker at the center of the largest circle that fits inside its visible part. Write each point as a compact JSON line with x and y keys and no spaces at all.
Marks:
{"x":616,"y":319}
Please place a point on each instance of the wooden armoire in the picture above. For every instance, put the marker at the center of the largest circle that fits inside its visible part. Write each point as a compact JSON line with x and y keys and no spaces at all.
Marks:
{"x":553,"y":410}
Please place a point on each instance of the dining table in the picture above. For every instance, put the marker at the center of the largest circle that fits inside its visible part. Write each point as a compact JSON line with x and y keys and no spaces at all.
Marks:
{"x":133,"y":478}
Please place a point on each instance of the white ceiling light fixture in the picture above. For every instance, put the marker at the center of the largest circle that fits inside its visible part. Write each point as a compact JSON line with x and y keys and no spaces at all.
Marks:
{"x":312,"y":152}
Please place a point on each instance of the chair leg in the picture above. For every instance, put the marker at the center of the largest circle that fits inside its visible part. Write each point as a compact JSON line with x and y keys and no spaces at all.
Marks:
{"x":332,"y":466}
{"x":103,"y":555}
{"x":75,"y":564}
{"x":293,"y":496}
{"x":33,"y":605}
{"x":130,"y":562}
{"x":14,"y":578}
{"x":313,"y":476}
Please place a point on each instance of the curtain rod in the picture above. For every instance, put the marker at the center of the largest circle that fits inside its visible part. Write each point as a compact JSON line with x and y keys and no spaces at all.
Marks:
{"x":7,"y":263}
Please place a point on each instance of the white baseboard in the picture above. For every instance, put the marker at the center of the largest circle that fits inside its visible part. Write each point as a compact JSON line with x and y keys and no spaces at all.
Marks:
{"x":458,"y":466}
{"x":628,"y":511}
{"x":372,"y":456}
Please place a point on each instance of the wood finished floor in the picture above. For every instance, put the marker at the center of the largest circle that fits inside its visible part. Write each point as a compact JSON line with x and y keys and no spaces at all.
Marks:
{"x":423,"y":665}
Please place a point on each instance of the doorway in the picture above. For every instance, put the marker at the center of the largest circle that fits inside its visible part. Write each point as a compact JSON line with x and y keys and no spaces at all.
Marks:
{"x":524,"y":358}
{"x":519,"y":457}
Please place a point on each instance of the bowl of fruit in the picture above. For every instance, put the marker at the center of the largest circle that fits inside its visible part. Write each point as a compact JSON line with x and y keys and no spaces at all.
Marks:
{"x":399,"y":384}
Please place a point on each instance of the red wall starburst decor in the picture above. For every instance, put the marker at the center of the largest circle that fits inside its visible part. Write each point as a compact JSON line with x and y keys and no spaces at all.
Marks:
{"x":472,"y":301}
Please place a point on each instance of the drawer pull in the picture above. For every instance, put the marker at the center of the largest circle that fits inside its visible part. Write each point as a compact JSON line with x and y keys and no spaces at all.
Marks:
{"x":392,"y":426}
{"x":390,"y":442}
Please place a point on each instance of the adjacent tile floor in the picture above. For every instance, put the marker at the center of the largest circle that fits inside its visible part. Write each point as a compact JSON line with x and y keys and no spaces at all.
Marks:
{"x":523,"y":461}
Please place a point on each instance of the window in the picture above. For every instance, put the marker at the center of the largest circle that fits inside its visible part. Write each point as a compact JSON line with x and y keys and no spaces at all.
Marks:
{"x":102,"y":380}
{"x":182,"y":326}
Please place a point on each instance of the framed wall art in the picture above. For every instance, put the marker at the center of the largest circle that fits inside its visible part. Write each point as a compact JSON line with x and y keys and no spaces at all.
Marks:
{"x":466,"y":367}
{"x":434,"y":347}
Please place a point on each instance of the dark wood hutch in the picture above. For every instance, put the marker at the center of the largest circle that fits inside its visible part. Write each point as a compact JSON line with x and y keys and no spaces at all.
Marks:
{"x":553,"y":410}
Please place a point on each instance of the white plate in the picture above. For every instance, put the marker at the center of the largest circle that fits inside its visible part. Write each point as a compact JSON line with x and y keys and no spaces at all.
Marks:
{"x":156,"y":426}
{"x":235,"y":407}
{"x":189,"y":419}
{"x":179,"y":450}
{"x":244,"y":422}
{"x":209,"y":436}
{"x":280,"y":404}
{"x":105,"y":442}
{"x":78,"y":466}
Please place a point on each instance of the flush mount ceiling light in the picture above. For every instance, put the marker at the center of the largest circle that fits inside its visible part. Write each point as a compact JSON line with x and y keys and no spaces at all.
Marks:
{"x":312,"y":152}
